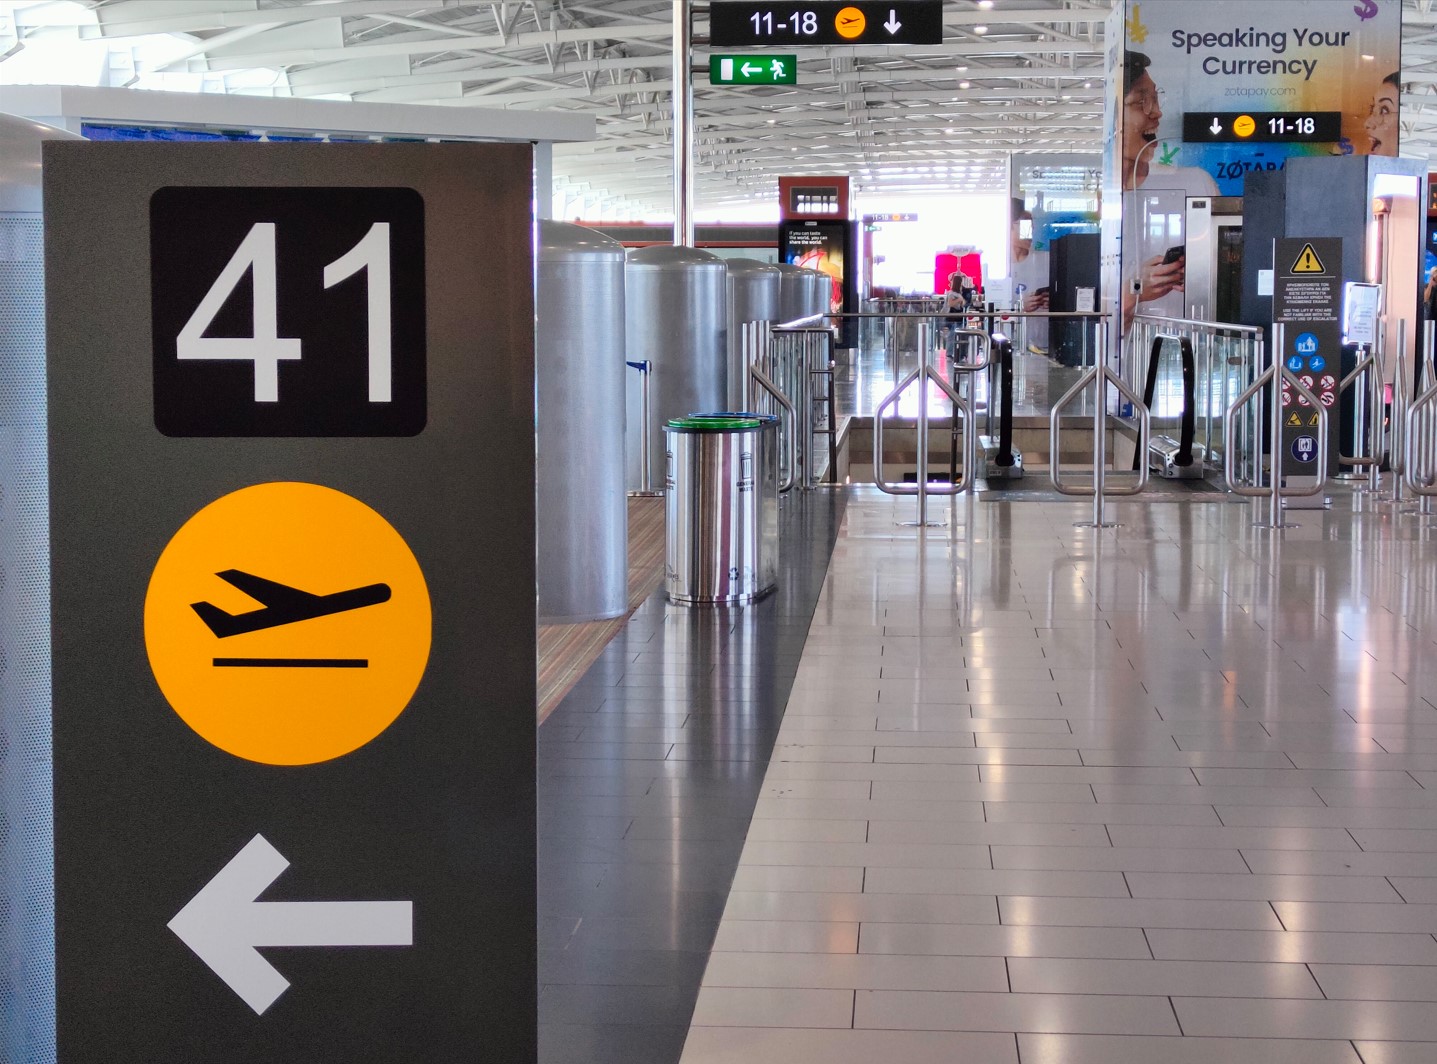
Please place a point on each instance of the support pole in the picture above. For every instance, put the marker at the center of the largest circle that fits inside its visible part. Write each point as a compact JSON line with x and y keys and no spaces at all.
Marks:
{"x":683,"y":124}
{"x":1279,"y":345}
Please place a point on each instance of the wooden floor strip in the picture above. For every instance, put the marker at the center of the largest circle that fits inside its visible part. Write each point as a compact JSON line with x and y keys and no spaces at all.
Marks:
{"x":567,"y":650}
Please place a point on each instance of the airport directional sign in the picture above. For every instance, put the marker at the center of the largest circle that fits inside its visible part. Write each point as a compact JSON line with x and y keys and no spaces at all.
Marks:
{"x":763,"y":69}
{"x":744,"y":24}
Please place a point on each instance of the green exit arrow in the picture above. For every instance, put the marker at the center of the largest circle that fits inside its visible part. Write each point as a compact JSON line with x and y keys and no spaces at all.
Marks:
{"x":753,"y":70}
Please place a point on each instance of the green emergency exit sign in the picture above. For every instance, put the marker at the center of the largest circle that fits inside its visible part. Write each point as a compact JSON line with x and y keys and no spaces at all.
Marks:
{"x":753,"y":69}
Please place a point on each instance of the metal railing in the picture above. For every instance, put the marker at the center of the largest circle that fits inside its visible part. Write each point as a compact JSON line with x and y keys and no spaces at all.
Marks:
{"x":962,"y":407}
{"x":1101,"y":375}
{"x":1420,"y":461}
{"x":1366,"y":415}
{"x":1225,"y":356}
{"x":797,"y":359}
{"x":1276,"y":374}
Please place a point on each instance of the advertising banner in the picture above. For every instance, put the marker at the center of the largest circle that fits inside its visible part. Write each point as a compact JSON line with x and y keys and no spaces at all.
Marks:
{"x":1259,"y":83}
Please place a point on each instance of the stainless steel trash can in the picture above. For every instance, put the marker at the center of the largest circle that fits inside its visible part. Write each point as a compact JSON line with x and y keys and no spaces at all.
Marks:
{"x":721,"y":509}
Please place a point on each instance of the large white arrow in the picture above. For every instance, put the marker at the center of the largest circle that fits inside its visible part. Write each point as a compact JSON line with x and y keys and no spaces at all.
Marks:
{"x":224,"y":924}
{"x":892,"y":25}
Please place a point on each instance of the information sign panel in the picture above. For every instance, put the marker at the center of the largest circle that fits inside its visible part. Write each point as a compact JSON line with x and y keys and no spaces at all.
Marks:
{"x":744,"y":24}
{"x":293,"y":601}
{"x":1307,"y":297}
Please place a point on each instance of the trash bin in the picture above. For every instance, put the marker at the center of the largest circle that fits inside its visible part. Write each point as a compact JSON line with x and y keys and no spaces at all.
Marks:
{"x":721,"y":508}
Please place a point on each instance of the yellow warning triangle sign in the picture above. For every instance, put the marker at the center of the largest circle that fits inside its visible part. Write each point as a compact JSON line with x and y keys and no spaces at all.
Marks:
{"x":1315,"y":419}
{"x":1294,"y":420}
{"x":1308,"y":262}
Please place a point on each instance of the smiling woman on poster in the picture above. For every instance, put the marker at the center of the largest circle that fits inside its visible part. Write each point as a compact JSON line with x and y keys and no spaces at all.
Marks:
{"x":1159,"y":261}
{"x":1381,"y":124}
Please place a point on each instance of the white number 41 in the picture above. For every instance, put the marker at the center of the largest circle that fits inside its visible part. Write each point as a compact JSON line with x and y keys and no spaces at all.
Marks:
{"x":264,"y":346}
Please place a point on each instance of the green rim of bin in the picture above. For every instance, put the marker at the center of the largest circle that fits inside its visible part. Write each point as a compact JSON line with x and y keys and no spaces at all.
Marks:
{"x":713,"y":424}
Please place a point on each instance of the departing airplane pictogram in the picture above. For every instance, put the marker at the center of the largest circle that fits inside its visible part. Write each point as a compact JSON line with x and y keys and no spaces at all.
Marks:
{"x":283,"y":604}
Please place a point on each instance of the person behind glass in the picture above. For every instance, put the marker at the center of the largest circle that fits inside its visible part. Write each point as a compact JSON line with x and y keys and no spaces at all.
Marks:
{"x":1429,"y":295}
{"x":1166,"y":271}
{"x":960,"y":296}
{"x":1381,"y":124}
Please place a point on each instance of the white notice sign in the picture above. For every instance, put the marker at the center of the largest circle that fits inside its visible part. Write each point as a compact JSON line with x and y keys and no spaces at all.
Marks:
{"x":1360,"y":303}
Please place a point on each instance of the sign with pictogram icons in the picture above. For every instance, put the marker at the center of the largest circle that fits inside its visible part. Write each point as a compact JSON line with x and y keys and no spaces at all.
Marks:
{"x":293,"y":601}
{"x":287,"y":623}
{"x":1307,"y":297}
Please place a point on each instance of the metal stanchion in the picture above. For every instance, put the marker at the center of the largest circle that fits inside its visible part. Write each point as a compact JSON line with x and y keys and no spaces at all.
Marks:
{"x":961,"y":407}
{"x":1365,"y":370}
{"x":1401,"y":403}
{"x":646,"y":476}
{"x":1420,"y":432}
{"x":1275,"y":374}
{"x":1102,"y":375}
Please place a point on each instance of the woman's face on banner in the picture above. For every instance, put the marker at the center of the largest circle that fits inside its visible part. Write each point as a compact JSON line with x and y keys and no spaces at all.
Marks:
{"x":1381,"y":124}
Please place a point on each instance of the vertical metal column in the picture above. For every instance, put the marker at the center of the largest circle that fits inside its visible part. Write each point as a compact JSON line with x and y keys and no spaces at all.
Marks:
{"x":1279,"y":345}
{"x":683,"y":125}
{"x":925,"y":343}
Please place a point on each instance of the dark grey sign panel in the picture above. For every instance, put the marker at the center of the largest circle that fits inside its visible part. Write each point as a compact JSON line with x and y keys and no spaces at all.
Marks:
{"x":1307,"y":297}
{"x":293,"y":613}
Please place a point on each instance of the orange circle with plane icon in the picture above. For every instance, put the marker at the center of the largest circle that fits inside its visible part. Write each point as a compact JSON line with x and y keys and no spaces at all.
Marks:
{"x":1244,"y":125}
{"x":850,"y":22}
{"x":288,"y":623}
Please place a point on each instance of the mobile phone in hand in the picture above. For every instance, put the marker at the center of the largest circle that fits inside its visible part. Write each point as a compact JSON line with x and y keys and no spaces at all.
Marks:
{"x":1172,"y":254}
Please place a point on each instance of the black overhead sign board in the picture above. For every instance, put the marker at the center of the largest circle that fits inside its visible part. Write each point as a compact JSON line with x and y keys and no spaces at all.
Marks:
{"x":293,"y":602}
{"x":1307,"y":297}
{"x":745,"y":24}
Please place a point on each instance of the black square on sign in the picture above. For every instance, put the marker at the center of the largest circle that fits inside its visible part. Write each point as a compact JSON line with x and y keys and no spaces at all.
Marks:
{"x":288,"y":311}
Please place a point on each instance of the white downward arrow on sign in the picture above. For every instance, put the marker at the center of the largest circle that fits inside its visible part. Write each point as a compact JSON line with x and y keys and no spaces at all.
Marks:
{"x":224,"y":924}
{"x":1215,"y":128}
{"x":892,"y":25}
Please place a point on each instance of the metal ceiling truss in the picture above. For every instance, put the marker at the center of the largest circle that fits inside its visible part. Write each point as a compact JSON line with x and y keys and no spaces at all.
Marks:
{"x":1025,"y":75}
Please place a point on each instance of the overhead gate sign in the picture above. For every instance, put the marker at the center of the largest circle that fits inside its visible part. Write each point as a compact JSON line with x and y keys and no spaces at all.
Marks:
{"x":290,"y":389}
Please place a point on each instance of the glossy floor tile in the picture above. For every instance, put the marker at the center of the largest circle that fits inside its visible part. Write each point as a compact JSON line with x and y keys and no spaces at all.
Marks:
{"x":1162,"y":792}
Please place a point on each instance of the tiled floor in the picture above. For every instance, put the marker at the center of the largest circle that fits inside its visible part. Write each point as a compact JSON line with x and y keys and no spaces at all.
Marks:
{"x":1044,"y":795}
{"x":648,"y":774}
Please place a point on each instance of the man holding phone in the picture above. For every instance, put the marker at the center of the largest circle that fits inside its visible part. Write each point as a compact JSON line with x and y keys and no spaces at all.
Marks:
{"x":1149,"y":272}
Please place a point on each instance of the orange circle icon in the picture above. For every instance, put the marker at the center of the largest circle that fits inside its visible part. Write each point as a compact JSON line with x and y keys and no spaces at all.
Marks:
{"x":850,"y":23}
{"x":1244,"y":125}
{"x":287,"y":623}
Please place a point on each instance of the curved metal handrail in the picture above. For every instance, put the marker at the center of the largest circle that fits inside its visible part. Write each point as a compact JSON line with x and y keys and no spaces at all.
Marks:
{"x":1275,"y":491}
{"x":763,"y":380}
{"x":1103,"y":375}
{"x":1425,"y":486}
{"x":1367,"y":367}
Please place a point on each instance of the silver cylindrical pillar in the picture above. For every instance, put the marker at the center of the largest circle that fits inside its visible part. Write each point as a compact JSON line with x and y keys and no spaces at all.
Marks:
{"x":753,"y":295}
{"x":581,"y":509}
{"x":819,"y":293}
{"x":794,"y":292}
{"x":676,"y":314}
{"x":721,"y":506}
